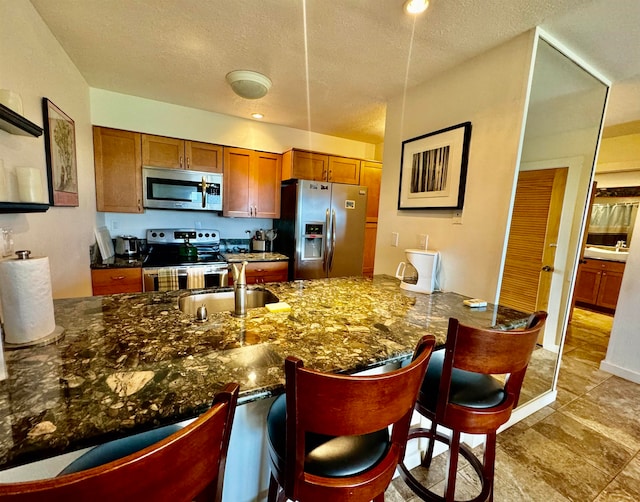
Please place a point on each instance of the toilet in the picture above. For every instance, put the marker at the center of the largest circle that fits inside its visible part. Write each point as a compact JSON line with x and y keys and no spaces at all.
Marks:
{"x":425,"y":263}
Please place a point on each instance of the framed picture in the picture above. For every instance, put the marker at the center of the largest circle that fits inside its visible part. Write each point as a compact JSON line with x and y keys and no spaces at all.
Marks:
{"x":433,"y":169}
{"x":60,"y":150}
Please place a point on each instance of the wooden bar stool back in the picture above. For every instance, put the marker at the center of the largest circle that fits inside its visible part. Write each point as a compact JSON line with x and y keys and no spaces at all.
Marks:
{"x":328,"y":435}
{"x":187,"y":465}
{"x":461,"y":392}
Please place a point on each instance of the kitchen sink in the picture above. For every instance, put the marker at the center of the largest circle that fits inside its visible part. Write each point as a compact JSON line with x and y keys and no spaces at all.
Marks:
{"x":224,"y":300}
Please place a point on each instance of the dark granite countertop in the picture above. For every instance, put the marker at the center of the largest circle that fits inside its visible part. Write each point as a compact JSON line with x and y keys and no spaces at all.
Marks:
{"x":117,"y":262}
{"x":131,"y":362}
{"x":254,"y":256}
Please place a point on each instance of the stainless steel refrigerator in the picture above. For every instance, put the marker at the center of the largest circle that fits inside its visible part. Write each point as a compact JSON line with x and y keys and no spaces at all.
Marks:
{"x":321,"y":227}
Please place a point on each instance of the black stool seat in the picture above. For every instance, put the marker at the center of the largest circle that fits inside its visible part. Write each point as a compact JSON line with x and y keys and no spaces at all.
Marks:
{"x":328,"y":456}
{"x":472,"y":390}
{"x":119,"y":448}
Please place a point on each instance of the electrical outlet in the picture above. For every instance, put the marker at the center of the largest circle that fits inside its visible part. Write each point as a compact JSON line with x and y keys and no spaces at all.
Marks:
{"x":457,"y":217}
{"x":115,"y":225}
{"x":394,"y":239}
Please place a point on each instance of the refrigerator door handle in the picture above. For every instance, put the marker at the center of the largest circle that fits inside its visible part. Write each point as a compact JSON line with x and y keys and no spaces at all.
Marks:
{"x":327,"y":241}
{"x":333,"y":238}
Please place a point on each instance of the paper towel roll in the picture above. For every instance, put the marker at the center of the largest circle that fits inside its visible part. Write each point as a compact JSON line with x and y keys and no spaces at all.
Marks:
{"x":27,"y":301}
{"x":29,"y":184}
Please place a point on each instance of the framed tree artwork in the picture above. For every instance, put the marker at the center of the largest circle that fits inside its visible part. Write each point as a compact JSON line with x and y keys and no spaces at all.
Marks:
{"x":433,"y":169}
{"x":60,"y":150}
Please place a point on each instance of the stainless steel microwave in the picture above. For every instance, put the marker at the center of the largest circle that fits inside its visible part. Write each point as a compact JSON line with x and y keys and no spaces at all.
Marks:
{"x":181,"y":189}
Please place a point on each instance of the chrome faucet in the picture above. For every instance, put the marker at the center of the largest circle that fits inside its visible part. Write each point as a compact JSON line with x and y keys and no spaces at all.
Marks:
{"x":620,"y":245}
{"x":240,"y":289}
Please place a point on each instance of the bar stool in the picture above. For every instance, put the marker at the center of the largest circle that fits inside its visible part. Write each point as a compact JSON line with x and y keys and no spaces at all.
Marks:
{"x":461,"y":393}
{"x":328,"y":435}
{"x":186,"y":465}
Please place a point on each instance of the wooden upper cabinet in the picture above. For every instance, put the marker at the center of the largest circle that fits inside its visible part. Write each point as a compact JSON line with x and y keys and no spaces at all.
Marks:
{"x":251,"y":183}
{"x":305,"y":165}
{"x":173,"y":153}
{"x":370,"y":176}
{"x":203,"y":156}
{"x":344,"y":170}
{"x":118,"y":170}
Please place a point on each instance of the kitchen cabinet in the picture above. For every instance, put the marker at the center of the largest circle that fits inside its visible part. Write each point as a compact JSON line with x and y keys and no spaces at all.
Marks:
{"x":301,"y":164}
{"x":259,"y":272}
{"x":107,"y":281}
{"x":370,"y":176}
{"x":598,"y":283}
{"x":369,"y":256}
{"x":173,"y":153}
{"x":118,"y":170}
{"x":251,"y":183}
{"x":344,"y":170}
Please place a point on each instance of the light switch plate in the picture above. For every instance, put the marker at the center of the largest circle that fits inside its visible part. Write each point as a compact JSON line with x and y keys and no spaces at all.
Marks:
{"x":457,"y":217}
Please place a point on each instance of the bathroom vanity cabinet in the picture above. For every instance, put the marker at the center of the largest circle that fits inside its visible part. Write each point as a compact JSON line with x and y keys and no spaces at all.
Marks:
{"x":598,"y":283}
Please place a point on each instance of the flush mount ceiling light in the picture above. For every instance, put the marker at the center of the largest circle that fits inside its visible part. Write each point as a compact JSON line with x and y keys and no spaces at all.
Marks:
{"x":248,"y":84}
{"x":416,"y":6}
{"x":257,"y":116}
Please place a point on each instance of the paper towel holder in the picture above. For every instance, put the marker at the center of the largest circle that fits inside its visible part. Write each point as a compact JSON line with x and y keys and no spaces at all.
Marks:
{"x":55,"y":335}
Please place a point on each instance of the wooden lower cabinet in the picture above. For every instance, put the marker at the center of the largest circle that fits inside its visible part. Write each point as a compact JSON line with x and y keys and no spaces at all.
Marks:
{"x":258,"y":272}
{"x":107,"y":281}
{"x":598,"y":283}
{"x":370,"y":232}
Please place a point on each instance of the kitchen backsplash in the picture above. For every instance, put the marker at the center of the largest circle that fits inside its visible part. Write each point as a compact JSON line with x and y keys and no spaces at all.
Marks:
{"x":137,"y":224}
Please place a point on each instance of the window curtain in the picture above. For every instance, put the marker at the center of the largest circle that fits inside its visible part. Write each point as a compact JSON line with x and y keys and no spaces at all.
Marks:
{"x":612,"y":218}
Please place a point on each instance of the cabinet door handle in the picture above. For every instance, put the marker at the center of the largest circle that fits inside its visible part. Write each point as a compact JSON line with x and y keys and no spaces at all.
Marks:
{"x":117,"y":277}
{"x":188,"y":163}
{"x":181,"y":162}
{"x":547,"y":268}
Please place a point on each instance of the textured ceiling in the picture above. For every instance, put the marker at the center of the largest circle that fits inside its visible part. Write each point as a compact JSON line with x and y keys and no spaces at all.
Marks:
{"x":333,"y":64}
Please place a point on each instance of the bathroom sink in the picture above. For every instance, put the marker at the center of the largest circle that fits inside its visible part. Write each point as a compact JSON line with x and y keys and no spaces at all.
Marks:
{"x":223,"y":300}
{"x":605,"y":254}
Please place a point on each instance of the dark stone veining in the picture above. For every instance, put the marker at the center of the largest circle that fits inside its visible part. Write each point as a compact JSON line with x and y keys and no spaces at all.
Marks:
{"x":131,"y":362}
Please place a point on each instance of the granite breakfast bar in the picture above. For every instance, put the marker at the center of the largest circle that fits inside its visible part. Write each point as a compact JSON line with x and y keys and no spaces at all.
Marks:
{"x":131,"y":362}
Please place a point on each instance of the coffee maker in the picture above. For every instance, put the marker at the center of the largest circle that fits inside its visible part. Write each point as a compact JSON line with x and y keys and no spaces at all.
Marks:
{"x":420,"y":272}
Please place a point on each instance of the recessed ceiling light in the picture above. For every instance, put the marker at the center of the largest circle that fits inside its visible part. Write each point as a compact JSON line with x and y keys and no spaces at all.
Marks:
{"x":248,"y":84}
{"x":416,"y":6}
{"x":257,"y":115}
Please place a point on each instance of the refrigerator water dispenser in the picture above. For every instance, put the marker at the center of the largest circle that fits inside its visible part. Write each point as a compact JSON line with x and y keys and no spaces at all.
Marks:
{"x":313,"y":241}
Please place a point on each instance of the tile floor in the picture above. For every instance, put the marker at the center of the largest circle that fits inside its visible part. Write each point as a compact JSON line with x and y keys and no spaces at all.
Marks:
{"x":584,"y":447}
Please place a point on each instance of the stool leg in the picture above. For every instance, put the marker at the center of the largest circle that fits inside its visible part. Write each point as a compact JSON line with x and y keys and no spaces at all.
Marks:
{"x":428,"y":454}
{"x":274,"y":487}
{"x":489,"y":462}
{"x":452,"y":467}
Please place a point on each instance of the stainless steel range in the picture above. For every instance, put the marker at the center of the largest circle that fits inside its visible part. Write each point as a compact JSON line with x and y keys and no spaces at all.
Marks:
{"x":183,"y":252}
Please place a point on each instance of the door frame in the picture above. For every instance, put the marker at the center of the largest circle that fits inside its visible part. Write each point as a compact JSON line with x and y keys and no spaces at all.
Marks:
{"x":568,"y":250}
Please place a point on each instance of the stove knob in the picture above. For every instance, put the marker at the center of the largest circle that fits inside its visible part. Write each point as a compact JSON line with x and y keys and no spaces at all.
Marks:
{"x":153,"y":234}
{"x":200,"y":235}
{"x":161,"y":234}
{"x":213,"y":234}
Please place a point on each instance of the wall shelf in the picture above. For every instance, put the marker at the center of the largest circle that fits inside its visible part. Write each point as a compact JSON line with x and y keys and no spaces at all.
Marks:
{"x":15,"y":123}
{"x":22,"y":207}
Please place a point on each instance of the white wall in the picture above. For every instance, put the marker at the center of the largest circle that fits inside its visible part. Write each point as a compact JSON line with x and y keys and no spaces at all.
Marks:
{"x":111,"y":109}
{"x":33,"y":64}
{"x":490,"y":92}
{"x":623,"y":352}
